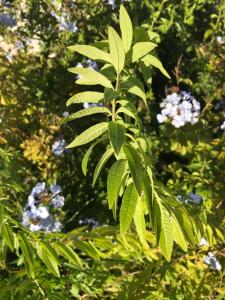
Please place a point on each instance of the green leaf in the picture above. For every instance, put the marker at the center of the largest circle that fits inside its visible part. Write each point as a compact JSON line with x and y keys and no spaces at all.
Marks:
{"x":93,"y":97}
{"x":110,"y":94}
{"x":101,"y":164}
{"x":50,"y":262}
{"x":131,"y":113}
{"x":116,"y":136}
{"x":67,"y":252}
{"x":135,"y":166}
{"x":86,"y":112}
{"x":154,"y":61}
{"x":128,"y":206}
{"x":27,"y":251}
{"x":88,"y":248}
{"x":87,"y":155}
{"x":134,"y":86}
{"x":91,"y":52}
{"x":26,"y":248}
{"x":139,"y":221}
{"x":178,"y":234}
{"x":91,"y":77}
{"x":50,"y":258}
{"x":116,"y":50}
{"x":126,"y":28}
{"x":89,"y":135}
{"x":114,"y":181}
{"x":8,"y":236}
{"x":166,"y":234}
{"x":139,"y":50}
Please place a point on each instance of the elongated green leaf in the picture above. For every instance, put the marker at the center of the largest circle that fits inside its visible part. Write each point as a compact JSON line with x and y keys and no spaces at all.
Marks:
{"x":27,"y":251}
{"x":128,"y":206}
{"x":67,"y":252}
{"x":50,"y":262}
{"x":114,"y":181}
{"x":116,"y":50}
{"x":92,"y":77}
{"x":178,"y":234}
{"x":135,"y":166}
{"x":139,"y":221}
{"x":88,"y":248}
{"x":8,"y":236}
{"x":94,"y":97}
{"x":87,"y":155}
{"x":131,"y":113}
{"x":116,"y":136}
{"x":89,"y":135}
{"x":91,"y":52}
{"x":154,"y":61}
{"x":166,"y":234}
{"x":50,"y":258}
{"x":139,"y":50}
{"x":26,"y":248}
{"x":101,"y":164}
{"x":86,"y":112}
{"x":126,"y":28}
{"x":134,"y":86}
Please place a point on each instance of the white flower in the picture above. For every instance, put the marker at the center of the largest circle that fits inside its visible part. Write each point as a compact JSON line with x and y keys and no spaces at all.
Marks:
{"x":223,"y":126}
{"x":89,"y":104}
{"x":42,"y":212}
{"x":180,"y":109}
{"x":55,"y":189}
{"x":65,"y":114}
{"x":92,"y":64}
{"x":30,"y":200}
{"x":58,"y":201}
{"x":212,"y":261}
{"x":35,"y":227}
{"x":38,"y":189}
{"x":58,"y":147}
{"x":203,"y":242}
{"x":161,"y":118}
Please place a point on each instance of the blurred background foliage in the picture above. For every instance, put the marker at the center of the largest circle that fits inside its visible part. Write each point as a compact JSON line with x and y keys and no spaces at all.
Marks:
{"x":34,"y":87}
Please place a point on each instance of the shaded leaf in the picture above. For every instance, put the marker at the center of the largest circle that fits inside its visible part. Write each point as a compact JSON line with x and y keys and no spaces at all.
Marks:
{"x":101,"y":164}
{"x":116,"y":135}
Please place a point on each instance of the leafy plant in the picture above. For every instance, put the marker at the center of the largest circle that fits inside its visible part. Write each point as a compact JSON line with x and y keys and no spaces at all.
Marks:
{"x":131,"y":176}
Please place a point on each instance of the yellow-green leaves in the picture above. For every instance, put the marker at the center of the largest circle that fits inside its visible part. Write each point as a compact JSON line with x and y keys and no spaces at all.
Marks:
{"x":139,"y":50}
{"x":89,"y":135}
{"x":27,"y":251}
{"x":128,"y":207}
{"x":83,"y":97}
{"x":116,"y":136}
{"x":91,"y":52}
{"x":91,"y":77}
{"x":116,"y":50}
{"x":67,"y":252}
{"x":114,"y":181}
{"x":126,"y":28}
{"x":86,"y":112}
{"x":166,"y":234}
{"x":154,"y":61}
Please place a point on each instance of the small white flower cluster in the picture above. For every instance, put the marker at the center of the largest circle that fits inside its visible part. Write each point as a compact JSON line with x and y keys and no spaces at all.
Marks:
{"x":212,"y":261}
{"x":223,"y":126}
{"x":180,"y":108}
{"x":191,"y":198}
{"x":58,"y":147}
{"x":39,"y":211}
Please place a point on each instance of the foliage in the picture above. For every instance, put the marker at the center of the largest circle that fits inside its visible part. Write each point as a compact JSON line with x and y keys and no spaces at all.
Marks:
{"x":140,"y":158}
